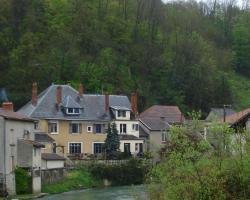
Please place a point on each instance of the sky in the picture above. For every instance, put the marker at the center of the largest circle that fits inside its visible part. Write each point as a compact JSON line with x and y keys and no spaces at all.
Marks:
{"x":239,"y":1}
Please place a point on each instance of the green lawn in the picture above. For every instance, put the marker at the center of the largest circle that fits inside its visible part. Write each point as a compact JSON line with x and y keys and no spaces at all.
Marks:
{"x":76,"y":179}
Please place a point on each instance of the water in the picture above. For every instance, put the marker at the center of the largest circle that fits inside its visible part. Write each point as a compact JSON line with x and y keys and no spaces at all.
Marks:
{"x":111,"y":193}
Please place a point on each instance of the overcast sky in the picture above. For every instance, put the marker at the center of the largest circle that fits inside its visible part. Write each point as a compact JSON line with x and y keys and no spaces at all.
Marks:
{"x":239,"y":1}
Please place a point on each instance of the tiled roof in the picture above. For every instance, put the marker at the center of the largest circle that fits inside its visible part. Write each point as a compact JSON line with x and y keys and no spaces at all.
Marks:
{"x":52,"y":156}
{"x":232,"y":119}
{"x":8,"y":114}
{"x":129,"y":137}
{"x":69,"y":102}
{"x":219,"y":113}
{"x":43,"y":137}
{"x":33,"y":143}
{"x":170,"y":114}
{"x":155,"y":124}
{"x":93,"y":105}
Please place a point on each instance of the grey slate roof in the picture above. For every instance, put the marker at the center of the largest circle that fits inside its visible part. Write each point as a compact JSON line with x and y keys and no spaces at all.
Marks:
{"x":93,"y":105}
{"x":217,"y":113}
{"x":155,"y":124}
{"x":52,"y":156}
{"x":129,"y":137}
{"x":43,"y":137}
{"x":69,"y":102}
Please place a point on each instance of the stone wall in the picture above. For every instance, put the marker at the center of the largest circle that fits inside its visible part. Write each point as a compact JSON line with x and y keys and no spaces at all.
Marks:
{"x":52,"y":175}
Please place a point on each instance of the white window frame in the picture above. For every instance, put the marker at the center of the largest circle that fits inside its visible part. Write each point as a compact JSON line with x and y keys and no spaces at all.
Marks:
{"x":54,"y":122}
{"x":91,"y":129}
{"x":134,"y":125}
{"x":93,"y":145}
{"x":121,"y":113}
{"x":74,"y":111}
{"x":73,"y":143}
{"x":164,"y":136}
{"x":122,"y":132}
{"x":79,"y":128}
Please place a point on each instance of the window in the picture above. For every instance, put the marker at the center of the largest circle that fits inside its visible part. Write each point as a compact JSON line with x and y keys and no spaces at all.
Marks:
{"x":53,"y":127}
{"x":98,"y":128}
{"x":123,"y":128}
{"x":89,"y":129}
{"x":121,"y":113}
{"x":75,"y":148}
{"x":164,"y":136}
{"x":127,"y":147}
{"x":98,"y":148}
{"x":73,"y":111}
{"x":135,"y":127}
{"x":75,"y":128}
{"x":35,"y":125}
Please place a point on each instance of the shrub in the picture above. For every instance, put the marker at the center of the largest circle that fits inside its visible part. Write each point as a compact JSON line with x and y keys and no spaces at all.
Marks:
{"x":23,"y":181}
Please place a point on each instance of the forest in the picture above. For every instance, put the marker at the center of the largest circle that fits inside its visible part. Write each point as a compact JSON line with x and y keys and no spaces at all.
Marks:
{"x":192,"y":54}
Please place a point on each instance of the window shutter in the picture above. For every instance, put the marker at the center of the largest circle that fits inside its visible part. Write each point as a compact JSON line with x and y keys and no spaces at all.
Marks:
{"x":80,"y":128}
{"x":70,"y":128}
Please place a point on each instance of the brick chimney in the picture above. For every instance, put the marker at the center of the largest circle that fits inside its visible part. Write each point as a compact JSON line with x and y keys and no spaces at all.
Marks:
{"x":59,"y":95}
{"x":106,"y":102}
{"x":81,"y":90}
{"x":8,"y":106}
{"x":134,"y":103}
{"x":34,"y":94}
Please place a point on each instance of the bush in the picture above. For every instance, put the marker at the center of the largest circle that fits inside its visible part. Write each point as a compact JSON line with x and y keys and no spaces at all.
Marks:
{"x":132,"y":172}
{"x":23,"y":181}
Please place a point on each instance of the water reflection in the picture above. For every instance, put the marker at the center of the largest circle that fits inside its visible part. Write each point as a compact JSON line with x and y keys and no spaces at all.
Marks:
{"x":111,"y":193}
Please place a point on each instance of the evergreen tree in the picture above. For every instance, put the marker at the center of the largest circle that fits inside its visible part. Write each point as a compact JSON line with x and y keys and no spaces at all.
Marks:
{"x":112,"y":142}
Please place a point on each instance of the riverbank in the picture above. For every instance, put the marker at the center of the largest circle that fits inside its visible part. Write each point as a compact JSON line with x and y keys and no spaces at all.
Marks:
{"x":74,"y":180}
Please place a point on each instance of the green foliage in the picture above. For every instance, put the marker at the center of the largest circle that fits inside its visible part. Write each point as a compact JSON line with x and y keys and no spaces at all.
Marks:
{"x":131,"y":172}
{"x":74,"y":180}
{"x":23,"y":181}
{"x":112,"y":141}
{"x":194,"y":169}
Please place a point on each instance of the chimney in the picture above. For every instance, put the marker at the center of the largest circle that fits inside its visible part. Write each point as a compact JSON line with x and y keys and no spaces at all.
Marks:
{"x":81,"y":90}
{"x":8,"y":106}
{"x":34,"y":94}
{"x":106,"y":102}
{"x":59,"y":95}
{"x":134,"y":103}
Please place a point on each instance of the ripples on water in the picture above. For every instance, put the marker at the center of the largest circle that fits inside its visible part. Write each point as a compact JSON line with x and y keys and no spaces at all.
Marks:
{"x":111,"y":193}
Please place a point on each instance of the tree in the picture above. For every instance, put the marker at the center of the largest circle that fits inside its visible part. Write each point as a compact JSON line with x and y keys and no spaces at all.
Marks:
{"x":112,"y":142}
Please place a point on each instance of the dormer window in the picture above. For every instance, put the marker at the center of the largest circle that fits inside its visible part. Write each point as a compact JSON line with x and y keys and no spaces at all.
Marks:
{"x":73,"y":111}
{"x":121,"y":113}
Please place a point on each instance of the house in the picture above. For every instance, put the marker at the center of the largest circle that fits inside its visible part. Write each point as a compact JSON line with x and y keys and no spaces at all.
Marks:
{"x":217,"y":113}
{"x":78,"y":121}
{"x":47,"y":141}
{"x":155,"y":123}
{"x":18,"y":148}
{"x":239,"y":121}
{"x":52,"y":161}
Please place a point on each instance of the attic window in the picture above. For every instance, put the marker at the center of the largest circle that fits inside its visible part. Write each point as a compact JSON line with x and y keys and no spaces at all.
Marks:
{"x":73,"y":111}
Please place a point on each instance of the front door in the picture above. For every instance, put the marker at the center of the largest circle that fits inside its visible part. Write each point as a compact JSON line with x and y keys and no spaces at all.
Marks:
{"x":140,"y":147}
{"x":127,"y":147}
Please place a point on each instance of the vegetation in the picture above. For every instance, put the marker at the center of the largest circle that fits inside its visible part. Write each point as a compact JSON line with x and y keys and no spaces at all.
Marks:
{"x":23,"y":181}
{"x":131,"y":172}
{"x":217,"y":168}
{"x":175,"y":53}
{"x":74,"y":180}
{"x":112,"y":141}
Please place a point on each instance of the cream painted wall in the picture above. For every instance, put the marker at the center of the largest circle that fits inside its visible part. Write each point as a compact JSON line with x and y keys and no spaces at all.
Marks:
{"x":52,"y":164}
{"x":130,"y":131}
{"x":132,"y":145}
{"x":123,"y":118}
{"x":64,"y":137}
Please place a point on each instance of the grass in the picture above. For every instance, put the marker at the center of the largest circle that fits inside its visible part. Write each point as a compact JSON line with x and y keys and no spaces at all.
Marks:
{"x":74,"y":180}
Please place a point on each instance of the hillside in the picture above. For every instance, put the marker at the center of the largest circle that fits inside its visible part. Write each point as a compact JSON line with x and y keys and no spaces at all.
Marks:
{"x":195,"y":55}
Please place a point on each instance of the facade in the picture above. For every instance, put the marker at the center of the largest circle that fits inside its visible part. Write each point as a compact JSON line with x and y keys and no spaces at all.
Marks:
{"x":155,"y":123}
{"x":78,"y":122}
{"x":17,"y":148}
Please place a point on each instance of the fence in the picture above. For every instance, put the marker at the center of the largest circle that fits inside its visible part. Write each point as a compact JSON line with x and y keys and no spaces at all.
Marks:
{"x":86,"y":162}
{"x":52,"y":175}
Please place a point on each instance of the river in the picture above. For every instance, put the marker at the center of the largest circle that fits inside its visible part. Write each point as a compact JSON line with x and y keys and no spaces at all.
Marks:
{"x":110,"y":193}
